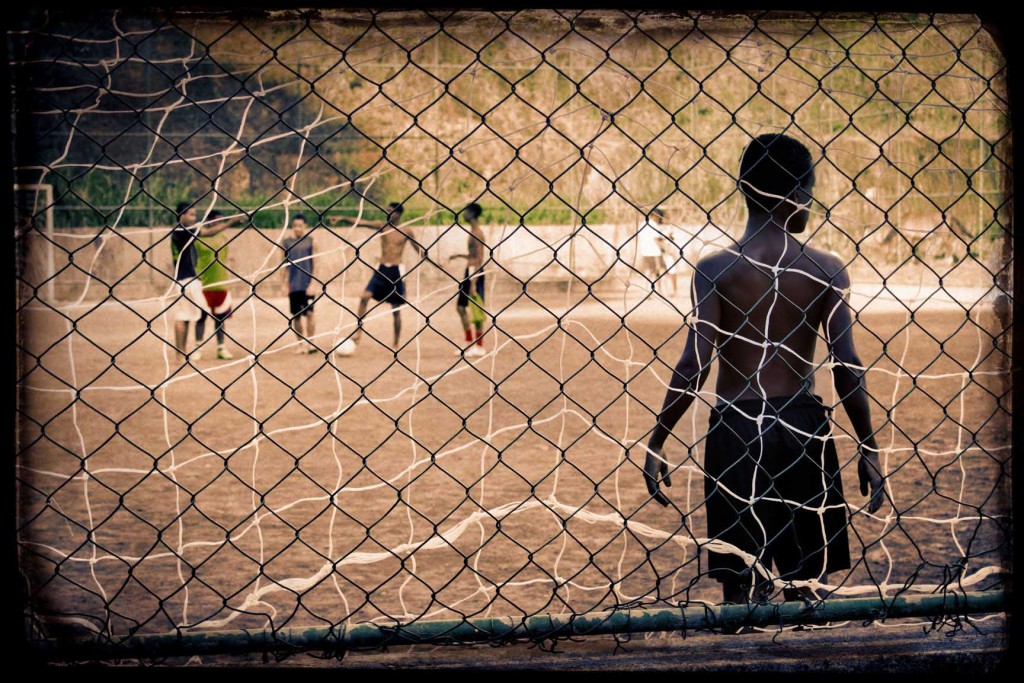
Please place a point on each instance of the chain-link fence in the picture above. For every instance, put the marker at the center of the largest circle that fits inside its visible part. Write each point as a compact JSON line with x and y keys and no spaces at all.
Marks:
{"x":432,"y":425}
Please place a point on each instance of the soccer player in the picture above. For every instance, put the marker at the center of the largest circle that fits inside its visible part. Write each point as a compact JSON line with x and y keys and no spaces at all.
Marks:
{"x":771,"y":465}
{"x":672,"y":243}
{"x":211,"y":255}
{"x":648,"y":247}
{"x":190,"y":303}
{"x":301,"y":286}
{"x":470,"y":303}
{"x":386,"y":284}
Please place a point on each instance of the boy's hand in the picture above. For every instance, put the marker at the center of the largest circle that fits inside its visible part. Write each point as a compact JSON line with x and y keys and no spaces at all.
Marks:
{"x":870,"y":474}
{"x":655,"y":469}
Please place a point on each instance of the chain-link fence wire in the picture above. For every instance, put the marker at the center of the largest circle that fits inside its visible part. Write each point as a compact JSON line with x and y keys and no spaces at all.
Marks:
{"x":248,"y":486}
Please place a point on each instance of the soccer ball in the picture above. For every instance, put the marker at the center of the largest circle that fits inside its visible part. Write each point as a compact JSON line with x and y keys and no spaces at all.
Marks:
{"x":346,"y":348}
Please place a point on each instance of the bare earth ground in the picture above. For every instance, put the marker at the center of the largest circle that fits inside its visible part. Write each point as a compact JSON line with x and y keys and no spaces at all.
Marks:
{"x":299,"y":490}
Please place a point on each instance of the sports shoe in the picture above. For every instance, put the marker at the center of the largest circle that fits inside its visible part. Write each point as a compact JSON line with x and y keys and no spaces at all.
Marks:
{"x":195,"y":355}
{"x":475,"y":351}
{"x":224,"y":354}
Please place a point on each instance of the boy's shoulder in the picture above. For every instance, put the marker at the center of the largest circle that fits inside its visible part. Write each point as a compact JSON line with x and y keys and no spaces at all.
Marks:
{"x":718,"y":261}
{"x":303,"y":241}
{"x":830,"y":263}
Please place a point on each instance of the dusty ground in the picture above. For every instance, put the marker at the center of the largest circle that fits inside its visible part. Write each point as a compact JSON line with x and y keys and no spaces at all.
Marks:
{"x":303,"y":489}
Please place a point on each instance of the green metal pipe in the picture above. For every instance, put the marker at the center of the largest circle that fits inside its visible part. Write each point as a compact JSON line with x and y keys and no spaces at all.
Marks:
{"x":368,"y":636}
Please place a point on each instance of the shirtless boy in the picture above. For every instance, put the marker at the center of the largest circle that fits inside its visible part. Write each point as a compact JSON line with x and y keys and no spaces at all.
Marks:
{"x":770,"y":462}
{"x":470,"y":302}
{"x":386,"y":284}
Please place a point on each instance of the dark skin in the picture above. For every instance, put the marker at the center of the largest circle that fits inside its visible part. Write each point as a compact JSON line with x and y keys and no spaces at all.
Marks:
{"x":392,"y":243}
{"x":735,"y":296}
{"x":474,"y":260}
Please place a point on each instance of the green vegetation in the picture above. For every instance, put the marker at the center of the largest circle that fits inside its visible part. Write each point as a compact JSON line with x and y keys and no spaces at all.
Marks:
{"x":523,"y":132}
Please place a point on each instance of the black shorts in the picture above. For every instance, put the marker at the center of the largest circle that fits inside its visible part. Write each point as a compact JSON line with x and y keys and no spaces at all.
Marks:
{"x":465,"y":291}
{"x":386,"y":285}
{"x":790,"y":471}
{"x":300,"y":303}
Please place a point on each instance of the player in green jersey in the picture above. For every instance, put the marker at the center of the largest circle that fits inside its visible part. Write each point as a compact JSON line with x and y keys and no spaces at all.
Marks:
{"x":211,"y":255}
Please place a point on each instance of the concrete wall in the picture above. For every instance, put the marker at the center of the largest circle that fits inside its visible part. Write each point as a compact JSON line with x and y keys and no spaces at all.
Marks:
{"x":132,"y":263}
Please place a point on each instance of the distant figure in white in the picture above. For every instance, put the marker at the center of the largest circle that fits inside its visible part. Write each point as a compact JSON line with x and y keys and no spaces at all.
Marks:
{"x":683,"y":245}
{"x":675,"y":243}
{"x":649,"y":239}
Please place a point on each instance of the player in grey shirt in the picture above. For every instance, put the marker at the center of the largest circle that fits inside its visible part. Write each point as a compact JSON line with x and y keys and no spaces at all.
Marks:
{"x":301,"y":287}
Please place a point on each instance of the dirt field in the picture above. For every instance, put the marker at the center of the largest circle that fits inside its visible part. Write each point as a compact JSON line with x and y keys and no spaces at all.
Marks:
{"x":301,"y":490}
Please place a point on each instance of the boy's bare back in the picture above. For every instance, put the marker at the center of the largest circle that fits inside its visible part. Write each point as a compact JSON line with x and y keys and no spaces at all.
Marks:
{"x":771,"y":304}
{"x":759,"y":310}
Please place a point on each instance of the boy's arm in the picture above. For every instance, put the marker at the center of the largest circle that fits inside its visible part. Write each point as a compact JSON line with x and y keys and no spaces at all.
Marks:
{"x":848,"y":375}
{"x":311,"y":287}
{"x":475,"y":257}
{"x":420,"y":250}
{"x":213,"y":228}
{"x":469,"y":256}
{"x":285,"y":265}
{"x":687,"y":379}
{"x":338,"y":221}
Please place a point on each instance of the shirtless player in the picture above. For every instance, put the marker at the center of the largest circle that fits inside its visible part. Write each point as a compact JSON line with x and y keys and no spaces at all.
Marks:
{"x":471,"y":290}
{"x":769,"y":460}
{"x":386,"y":285}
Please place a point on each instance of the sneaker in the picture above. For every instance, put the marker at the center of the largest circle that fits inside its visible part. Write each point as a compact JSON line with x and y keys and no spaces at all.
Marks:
{"x":195,"y":355}
{"x":475,"y":351}
{"x":224,"y":354}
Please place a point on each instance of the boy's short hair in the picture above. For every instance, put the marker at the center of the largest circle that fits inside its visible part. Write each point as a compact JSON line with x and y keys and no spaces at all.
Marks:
{"x":299,"y":217}
{"x":395,"y":207}
{"x":473,"y":210}
{"x":182,"y":208}
{"x":658,"y":211}
{"x":773,"y":164}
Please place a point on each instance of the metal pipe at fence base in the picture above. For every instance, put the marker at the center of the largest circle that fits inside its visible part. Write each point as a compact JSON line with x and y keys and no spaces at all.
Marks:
{"x":371,"y":636}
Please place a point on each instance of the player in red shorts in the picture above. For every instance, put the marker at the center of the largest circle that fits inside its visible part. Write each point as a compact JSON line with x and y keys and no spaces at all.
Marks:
{"x":470,"y":302}
{"x":188,"y":302}
{"x":211,"y":255}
